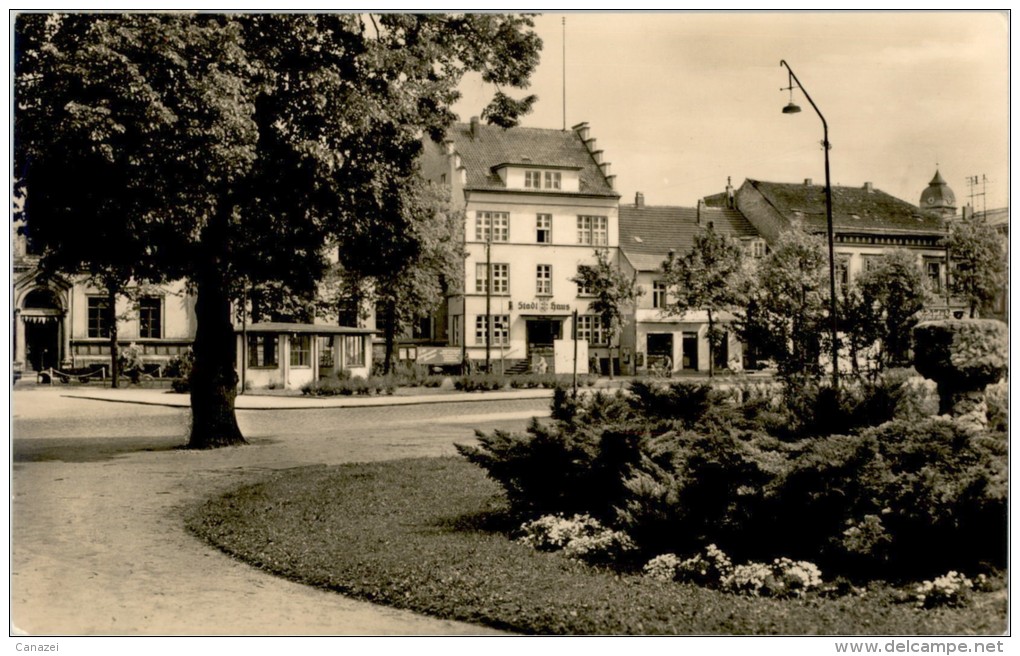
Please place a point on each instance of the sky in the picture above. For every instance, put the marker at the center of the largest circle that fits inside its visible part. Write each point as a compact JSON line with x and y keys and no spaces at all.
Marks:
{"x":681,"y":101}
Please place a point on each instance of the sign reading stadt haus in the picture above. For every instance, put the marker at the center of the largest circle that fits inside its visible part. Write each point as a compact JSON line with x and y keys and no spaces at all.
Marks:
{"x":543,"y":306}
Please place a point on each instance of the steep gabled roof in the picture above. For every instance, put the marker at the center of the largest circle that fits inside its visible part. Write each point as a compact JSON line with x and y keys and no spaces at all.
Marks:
{"x":648,"y":233}
{"x":854,"y":209}
{"x":525,"y":146}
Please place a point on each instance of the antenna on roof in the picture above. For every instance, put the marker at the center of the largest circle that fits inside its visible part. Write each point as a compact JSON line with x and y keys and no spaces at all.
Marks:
{"x":564,"y":29}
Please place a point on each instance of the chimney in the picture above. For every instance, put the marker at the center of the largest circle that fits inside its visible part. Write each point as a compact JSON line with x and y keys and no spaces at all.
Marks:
{"x":639,"y":199}
{"x":701,"y":206}
{"x":448,"y":146}
{"x":808,"y":182}
{"x":474,"y":128}
{"x":868,"y":187}
{"x":729,"y":193}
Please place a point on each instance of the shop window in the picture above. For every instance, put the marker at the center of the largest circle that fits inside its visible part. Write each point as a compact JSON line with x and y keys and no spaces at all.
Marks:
{"x":300,"y":351}
{"x":354,"y":351}
{"x":262,"y":351}
{"x":500,"y":329}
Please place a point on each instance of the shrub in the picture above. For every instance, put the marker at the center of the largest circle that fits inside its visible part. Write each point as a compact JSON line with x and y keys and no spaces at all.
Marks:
{"x":347,"y":386}
{"x":480,"y":383}
{"x":950,"y":589}
{"x":580,"y":537}
{"x":708,"y":569}
{"x":179,"y":368}
{"x":784,"y":578}
{"x":662,"y":568}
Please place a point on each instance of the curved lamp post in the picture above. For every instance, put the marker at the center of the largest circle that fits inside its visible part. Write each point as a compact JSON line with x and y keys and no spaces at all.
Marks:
{"x":792,"y":108}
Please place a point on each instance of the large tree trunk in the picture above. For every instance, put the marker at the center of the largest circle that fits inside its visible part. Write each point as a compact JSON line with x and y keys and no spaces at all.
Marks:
{"x":111,"y":299}
{"x":213,"y":378}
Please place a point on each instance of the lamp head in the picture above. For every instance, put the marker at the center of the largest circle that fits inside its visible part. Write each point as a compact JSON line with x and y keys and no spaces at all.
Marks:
{"x":791,"y":108}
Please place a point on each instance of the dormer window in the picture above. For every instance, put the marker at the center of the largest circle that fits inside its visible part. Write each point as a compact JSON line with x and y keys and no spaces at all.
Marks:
{"x":543,"y":180}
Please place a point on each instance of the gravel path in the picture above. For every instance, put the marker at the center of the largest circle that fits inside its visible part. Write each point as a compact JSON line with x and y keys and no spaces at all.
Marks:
{"x":98,"y":544}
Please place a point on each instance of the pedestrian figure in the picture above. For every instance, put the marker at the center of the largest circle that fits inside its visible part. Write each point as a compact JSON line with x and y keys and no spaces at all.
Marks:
{"x":468,"y":366}
{"x":541,"y":367}
{"x":667,"y":365}
{"x":593,"y":365}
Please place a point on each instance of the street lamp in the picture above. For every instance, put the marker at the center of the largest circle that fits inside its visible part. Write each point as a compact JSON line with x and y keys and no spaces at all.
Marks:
{"x":792,"y":108}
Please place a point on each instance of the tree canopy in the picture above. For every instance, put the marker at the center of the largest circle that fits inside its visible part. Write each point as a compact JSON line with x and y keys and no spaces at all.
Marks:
{"x":614,"y":294}
{"x":228,"y":147}
{"x":786,"y":311}
{"x":979,"y":262}
{"x":707,"y":277}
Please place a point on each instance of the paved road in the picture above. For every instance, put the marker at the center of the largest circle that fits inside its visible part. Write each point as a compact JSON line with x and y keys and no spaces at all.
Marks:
{"x":100,"y":490}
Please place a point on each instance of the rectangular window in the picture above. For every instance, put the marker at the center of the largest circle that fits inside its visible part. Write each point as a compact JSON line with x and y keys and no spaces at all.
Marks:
{"x":589,"y":328}
{"x":455,"y":333}
{"x":348,"y":312}
{"x":870,"y":262}
{"x":496,"y":224}
{"x":532,"y":179}
{"x":758,"y":249}
{"x":583,"y":289}
{"x":658,"y":294}
{"x":500,"y":278}
{"x":100,"y":316}
{"x":543,"y":280}
{"x":933,"y":271}
{"x":150,"y":317}
{"x":354,"y":351}
{"x":300,"y":351}
{"x":843,"y":270}
{"x":262,"y":350}
{"x":543,"y":227}
{"x":552,"y":179}
{"x":500,"y":329}
{"x":593,"y":230}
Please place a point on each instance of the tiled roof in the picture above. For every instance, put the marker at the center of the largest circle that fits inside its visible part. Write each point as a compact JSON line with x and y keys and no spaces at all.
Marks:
{"x":854,"y":209}
{"x":534,"y":146}
{"x":648,"y":233}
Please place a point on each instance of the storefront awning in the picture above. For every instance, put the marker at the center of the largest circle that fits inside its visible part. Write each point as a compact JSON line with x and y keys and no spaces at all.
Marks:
{"x":40,"y":315}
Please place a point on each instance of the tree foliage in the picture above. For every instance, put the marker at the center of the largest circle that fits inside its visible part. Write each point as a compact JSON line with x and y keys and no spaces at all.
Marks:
{"x":976,"y":252}
{"x":707,"y":277}
{"x":895,"y":293}
{"x":786,"y":315}
{"x":614,"y":295}
{"x":227,"y":148}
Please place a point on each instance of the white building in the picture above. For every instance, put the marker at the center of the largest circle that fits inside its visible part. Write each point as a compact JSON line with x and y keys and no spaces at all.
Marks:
{"x":537,"y":203}
{"x":647,"y":236}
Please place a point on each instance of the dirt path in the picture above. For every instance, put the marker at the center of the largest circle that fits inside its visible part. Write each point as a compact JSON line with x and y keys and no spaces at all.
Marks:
{"x":99,"y":548}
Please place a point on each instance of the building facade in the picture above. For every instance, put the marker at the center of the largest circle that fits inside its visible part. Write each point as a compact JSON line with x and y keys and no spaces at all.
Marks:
{"x":537,"y":204}
{"x":64,"y":323}
{"x":867,"y":223}
{"x":655,"y":336}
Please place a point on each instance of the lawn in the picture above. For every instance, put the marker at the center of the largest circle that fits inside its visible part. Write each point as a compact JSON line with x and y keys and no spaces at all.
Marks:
{"x":429,"y":535}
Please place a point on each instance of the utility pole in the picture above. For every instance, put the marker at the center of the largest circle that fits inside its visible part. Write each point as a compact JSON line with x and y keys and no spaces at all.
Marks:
{"x":488,"y":299}
{"x":574,"y":336}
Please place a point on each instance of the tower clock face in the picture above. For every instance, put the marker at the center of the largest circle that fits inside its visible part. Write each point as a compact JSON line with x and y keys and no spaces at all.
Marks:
{"x":930,"y":200}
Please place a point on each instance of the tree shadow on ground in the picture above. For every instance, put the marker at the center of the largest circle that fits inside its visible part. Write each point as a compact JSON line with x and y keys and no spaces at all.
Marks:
{"x":92,"y":449}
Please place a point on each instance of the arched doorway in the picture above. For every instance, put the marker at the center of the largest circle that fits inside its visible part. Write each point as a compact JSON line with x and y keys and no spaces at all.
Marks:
{"x":42,"y":316}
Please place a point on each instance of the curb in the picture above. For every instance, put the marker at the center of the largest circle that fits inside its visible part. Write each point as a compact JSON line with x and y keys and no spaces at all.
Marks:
{"x":378,"y":402}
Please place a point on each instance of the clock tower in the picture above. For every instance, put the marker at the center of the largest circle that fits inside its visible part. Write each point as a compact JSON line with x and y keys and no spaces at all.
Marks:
{"x":938,"y":197}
